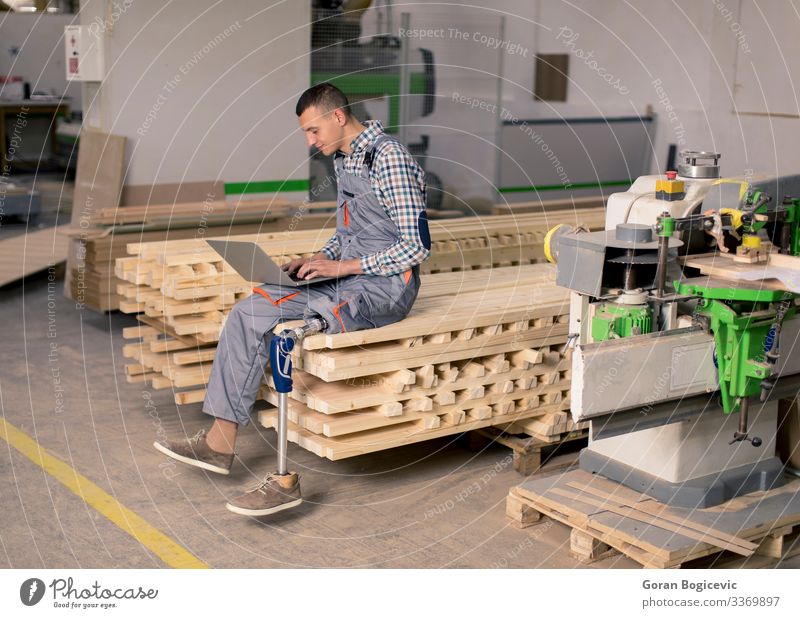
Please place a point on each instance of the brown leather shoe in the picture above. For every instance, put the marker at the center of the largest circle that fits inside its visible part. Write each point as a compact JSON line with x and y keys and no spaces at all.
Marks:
{"x":196,"y":452}
{"x":275,"y":493}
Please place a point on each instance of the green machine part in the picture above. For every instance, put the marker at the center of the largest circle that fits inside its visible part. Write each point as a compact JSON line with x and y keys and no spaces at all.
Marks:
{"x":792,"y":206}
{"x":758,"y":202}
{"x":740,"y":321}
{"x":666,"y":226}
{"x":613,"y":321}
{"x":754,"y":198}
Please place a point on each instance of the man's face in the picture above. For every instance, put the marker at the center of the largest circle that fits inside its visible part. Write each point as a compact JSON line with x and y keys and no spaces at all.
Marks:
{"x":324,"y":130}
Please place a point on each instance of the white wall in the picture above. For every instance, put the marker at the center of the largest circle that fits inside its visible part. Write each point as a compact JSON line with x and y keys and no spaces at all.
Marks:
{"x":712,"y":62}
{"x":32,"y":45}
{"x":730,"y":78}
{"x":204,"y":91}
{"x":463,"y":127}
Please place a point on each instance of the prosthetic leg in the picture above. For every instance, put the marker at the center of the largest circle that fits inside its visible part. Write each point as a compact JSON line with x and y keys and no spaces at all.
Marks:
{"x":280,"y":357}
{"x":280,"y":490}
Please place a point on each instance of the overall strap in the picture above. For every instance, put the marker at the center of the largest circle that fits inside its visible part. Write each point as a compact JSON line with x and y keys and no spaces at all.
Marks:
{"x":369,"y":156}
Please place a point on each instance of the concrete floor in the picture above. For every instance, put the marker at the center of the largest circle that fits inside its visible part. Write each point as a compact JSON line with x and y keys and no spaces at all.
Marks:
{"x":430,"y":505}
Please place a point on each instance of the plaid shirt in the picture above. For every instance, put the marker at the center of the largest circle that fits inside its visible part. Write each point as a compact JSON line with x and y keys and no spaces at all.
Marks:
{"x":399,"y":183}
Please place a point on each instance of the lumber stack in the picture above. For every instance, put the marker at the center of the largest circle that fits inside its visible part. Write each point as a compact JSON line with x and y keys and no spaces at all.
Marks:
{"x":185,"y":288}
{"x":175,"y":272}
{"x":95,"y":247}
{"x":540,"y":206}
{"x":481,"y":347}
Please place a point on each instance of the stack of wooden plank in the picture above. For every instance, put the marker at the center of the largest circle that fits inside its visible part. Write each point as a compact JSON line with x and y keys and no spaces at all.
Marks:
{"x":185,"y":286}
{"x":481,"y":347}
{"x":211,"y":212}
{"x":193,"y":336}
{"x":221,"y":212}
{"x":540,"y":206}
{"x":191,"y":269}
{"x":96,"y":246}
{"x":490,"y":355}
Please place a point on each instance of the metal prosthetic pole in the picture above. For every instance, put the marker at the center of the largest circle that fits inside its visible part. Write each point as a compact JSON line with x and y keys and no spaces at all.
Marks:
{"x":280,"y":356}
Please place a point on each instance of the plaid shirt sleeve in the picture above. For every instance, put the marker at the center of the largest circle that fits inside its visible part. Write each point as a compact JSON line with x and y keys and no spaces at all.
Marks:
{"x":402,"y":185}
{"x":332,"y":248}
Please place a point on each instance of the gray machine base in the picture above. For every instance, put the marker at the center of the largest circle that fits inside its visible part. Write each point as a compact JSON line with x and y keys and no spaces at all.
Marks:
{"x":701,"y":492}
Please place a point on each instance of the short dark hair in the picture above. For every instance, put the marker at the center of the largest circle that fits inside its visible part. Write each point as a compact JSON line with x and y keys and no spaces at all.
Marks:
{"x":325,"y":97}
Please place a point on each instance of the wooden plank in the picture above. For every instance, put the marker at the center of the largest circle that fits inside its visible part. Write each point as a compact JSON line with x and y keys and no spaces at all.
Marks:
{"x":375,"y":440}
{"x":588,"y":549}
{"x":353,"y":394}
{"x":98,"y":184}
{"x":98,"y":175}
{"x":416,"y":409}
{"x":187,"y":397}
{"x":750,"y":517}
{"x":653,"y":520}
{"x":161,"y":327}
{"x":657,"y":509}
{"x":520,"y":512}
{"x":29,"y":253}
{"x":474,"y":352}
{"x":389,"y":357}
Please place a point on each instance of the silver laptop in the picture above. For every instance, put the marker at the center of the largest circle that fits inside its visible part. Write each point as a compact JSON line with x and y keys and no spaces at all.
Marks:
{"x":253,"y":264}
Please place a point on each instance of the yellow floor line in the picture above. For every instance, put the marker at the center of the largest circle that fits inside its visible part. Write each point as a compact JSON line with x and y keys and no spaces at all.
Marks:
{"x":172,"y":553}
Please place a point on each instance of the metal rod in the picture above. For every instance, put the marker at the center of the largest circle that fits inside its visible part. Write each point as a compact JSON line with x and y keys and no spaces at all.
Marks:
{"x":293,"y":337}
{"x":744,"y":405}
{"x":629,"y":283}
{"x":283,"y":422}
{"x":661,"y":276}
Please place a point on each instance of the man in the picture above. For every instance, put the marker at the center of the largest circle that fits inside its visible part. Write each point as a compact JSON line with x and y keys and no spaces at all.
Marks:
{"x":381,"y":238}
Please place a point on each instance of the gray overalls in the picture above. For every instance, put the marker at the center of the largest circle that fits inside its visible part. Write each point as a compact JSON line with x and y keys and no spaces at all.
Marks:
{"x":351,"y":303}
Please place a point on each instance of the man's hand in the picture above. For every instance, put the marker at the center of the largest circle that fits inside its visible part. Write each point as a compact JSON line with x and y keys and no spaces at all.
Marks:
{"x":315,"y":267}
{"x":292,"y":266}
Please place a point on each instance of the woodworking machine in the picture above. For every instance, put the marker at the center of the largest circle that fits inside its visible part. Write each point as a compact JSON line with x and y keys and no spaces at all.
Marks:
{"x":683,"y":326}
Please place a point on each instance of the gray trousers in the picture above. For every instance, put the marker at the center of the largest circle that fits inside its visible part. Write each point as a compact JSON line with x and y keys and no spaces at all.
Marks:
{"x":243,"y":354}
{"x":349,"y":304}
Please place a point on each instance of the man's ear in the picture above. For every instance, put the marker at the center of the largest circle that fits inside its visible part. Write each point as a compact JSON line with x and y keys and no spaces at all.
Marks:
{"x":341,"y":119}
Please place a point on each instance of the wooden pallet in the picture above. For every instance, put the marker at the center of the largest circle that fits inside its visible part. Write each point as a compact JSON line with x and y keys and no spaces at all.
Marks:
{"x":607,"y":518}
{"x":528,"y":450}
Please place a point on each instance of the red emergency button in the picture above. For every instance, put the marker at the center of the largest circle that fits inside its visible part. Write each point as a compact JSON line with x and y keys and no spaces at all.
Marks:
{"x":672,"y":175}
